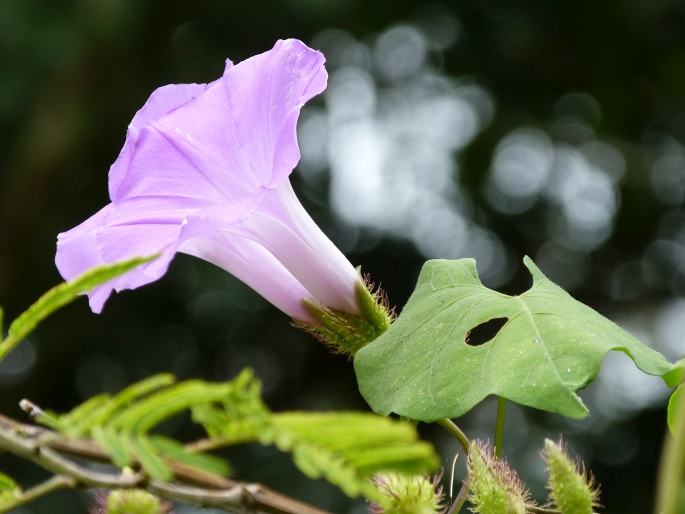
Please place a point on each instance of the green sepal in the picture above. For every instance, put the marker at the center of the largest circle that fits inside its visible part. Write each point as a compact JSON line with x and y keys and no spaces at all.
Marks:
{"x":348,"y":333}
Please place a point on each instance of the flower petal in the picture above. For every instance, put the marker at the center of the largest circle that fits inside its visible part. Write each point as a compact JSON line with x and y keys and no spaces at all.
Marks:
{"x":115,"y":233}
{"x":236,"y":137}
{"x":204,"y":170}
{"x":162,"y":101}
{"x":282,"y":226}
{"x":249,"y":262}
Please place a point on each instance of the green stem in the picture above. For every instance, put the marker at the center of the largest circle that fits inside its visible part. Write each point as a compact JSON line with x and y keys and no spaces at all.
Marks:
{"x":671,"y":469}
{"x":53,"y":484}
{"x":499,"y":425}
{"x":453,"y":429}
{"x":456,"y":432}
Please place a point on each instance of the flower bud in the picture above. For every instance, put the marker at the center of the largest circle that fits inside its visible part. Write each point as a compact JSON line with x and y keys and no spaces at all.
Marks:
{"x":407,"y":494}
{"x":572,"y":491}
{"x":494,"y":488}
{"x":129,"y":501}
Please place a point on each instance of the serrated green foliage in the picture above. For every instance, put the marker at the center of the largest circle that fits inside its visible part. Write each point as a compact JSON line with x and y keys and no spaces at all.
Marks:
{"x":121,"y":424}
{"x":494,"y":488}
{"x":349,"y":448}
{"x":571,"y":491}
{"x":8,"y":489}
{"x":550,"y":347}
{"x":61,"y":295}
{"x":408,"y":494}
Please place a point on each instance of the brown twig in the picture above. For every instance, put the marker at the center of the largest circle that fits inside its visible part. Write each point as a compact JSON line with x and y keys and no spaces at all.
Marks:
{"x":56,"y":453}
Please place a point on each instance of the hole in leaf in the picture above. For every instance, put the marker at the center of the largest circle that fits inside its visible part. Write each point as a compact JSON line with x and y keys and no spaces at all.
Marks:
{"x":481,"y":334}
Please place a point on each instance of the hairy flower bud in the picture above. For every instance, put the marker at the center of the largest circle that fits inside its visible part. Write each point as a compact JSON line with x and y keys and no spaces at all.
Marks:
{"x":129,"y":501}
{"x":494,"y":488}
{"x":572,"y":491}
{"x":408,"y":494}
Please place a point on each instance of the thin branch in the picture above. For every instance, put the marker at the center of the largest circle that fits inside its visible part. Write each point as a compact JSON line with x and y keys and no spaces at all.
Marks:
{"x":453,"y":429}
{"x":53,"y":451}
{"x":52,"y":484}
{"x":460,"y":499}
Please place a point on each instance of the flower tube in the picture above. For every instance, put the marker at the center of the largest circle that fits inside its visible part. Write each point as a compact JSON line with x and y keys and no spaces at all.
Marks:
{"x":204,"y":171}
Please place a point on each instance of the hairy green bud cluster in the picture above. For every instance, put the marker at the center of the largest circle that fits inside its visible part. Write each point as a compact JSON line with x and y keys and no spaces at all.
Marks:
{"x":130,"y":501}
{"x":347,"y":333}
{"x":494,"y":488}
{"x":572,"y":491}
{"x":407,"y":494}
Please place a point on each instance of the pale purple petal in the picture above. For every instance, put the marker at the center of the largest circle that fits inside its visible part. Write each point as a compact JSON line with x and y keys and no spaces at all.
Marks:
{"x":162,"y":101}
{"x":285,"y":229}
{"x":236,"y":137}
{"x":115,"y":233}
{"x":204,"y":170}
{"x":251,"y":263}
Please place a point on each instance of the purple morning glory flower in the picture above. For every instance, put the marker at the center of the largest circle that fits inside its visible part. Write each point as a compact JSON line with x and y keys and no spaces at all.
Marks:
{"x":204,"y":171}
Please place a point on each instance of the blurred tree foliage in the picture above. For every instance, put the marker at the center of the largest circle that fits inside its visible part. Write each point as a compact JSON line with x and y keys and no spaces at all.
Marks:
{"x":73,"y":73}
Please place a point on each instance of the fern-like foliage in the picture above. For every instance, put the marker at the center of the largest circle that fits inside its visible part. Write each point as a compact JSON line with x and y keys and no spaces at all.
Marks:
{"x":59,"y":296}
{"x":345,"y":448}
{"x":121,"y":424}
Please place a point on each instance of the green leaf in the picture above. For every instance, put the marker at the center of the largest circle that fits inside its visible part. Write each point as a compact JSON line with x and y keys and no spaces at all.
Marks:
{"x":349,"y":448}
{"x":121,"y":424}
{"x":9,"y":489}
{"x":174,"y":450}
{"x":114,"y":443}
{"x":550,"y":347}
{"x":61,"y":295}
{"x":151,"y":410}
{"x":149,"y":458}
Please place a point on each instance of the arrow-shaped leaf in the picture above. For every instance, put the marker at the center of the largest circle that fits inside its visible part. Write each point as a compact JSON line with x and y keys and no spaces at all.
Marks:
{"x":549,"y":346}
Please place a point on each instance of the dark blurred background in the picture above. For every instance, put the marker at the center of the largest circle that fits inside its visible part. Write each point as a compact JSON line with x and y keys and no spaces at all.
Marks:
{"x":481,"y":128}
